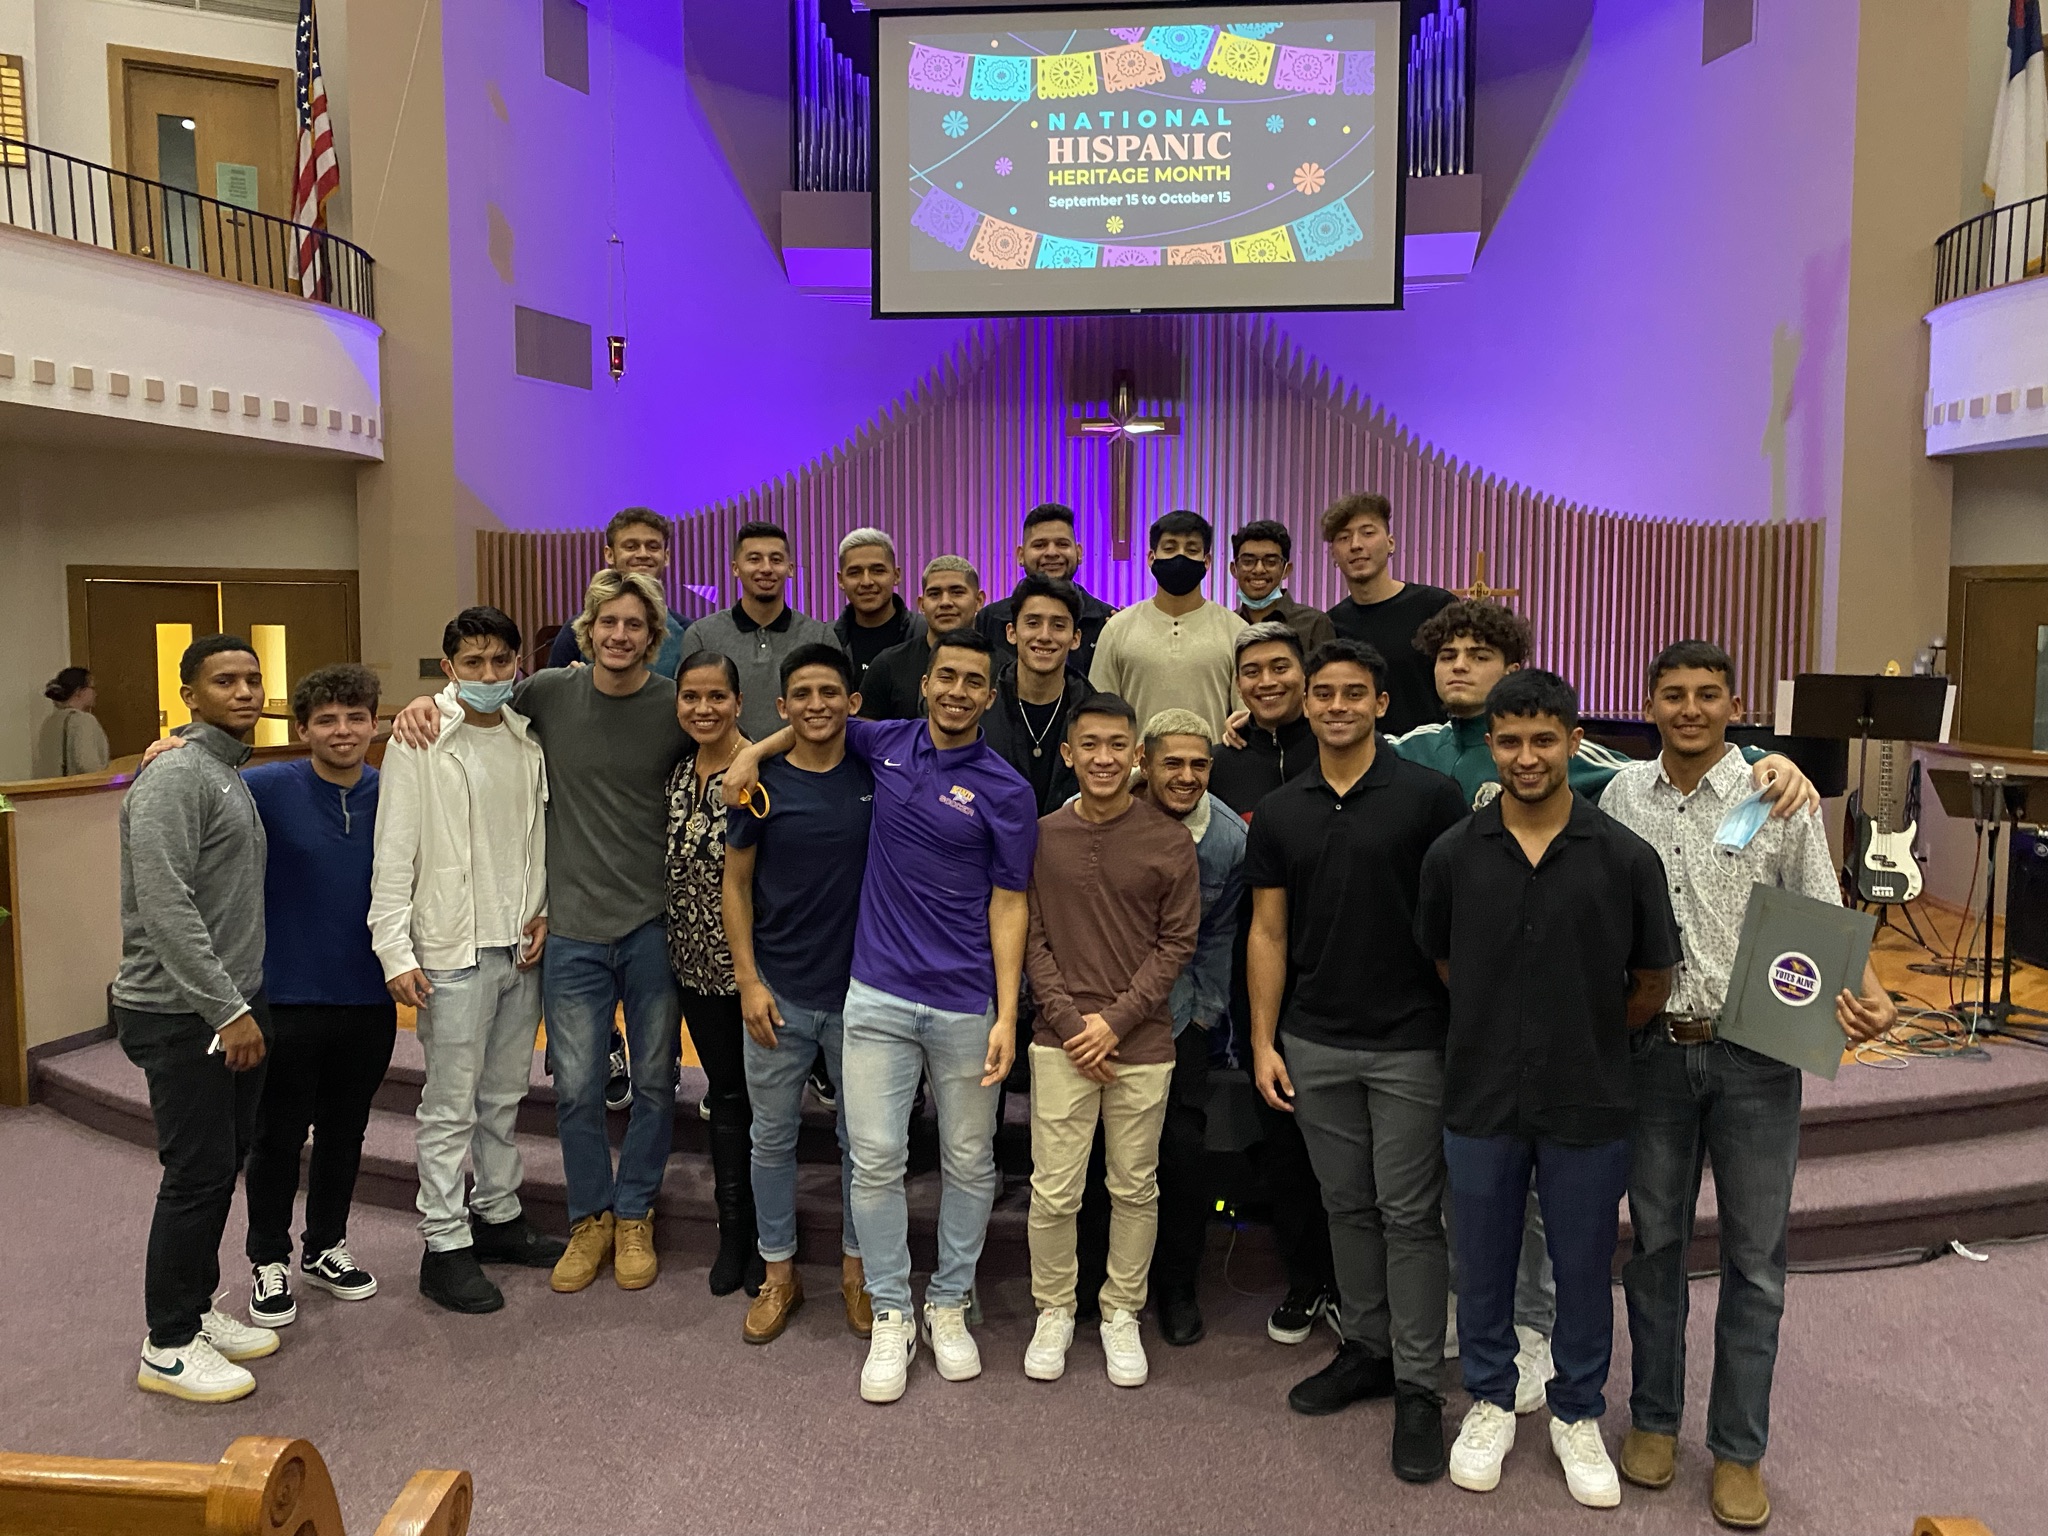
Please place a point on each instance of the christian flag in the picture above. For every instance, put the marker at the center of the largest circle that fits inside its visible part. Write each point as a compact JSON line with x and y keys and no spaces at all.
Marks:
{"x":319,"y":173}
{"x":2018,"y":167}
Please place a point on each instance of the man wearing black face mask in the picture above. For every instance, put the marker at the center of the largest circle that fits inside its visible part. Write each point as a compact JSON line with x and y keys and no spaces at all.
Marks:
{"x":1174,"y":652}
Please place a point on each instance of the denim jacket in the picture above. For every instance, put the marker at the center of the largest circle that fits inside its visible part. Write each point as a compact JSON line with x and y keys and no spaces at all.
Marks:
{"x":1203,"y":989}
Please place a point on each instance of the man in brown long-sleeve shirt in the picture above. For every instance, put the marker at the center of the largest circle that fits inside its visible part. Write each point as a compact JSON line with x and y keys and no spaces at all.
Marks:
{"x":1116,"y":907}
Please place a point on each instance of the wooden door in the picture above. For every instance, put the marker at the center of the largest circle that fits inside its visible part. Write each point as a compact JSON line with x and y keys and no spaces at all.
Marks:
{"x":208,"y":129}
{"x":1996,"y":616}
{"x":296,"y":627}
{"x":133,"y":630}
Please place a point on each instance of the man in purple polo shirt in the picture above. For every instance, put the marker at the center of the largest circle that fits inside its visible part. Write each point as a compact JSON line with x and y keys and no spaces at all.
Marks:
{"x":937,"y":954}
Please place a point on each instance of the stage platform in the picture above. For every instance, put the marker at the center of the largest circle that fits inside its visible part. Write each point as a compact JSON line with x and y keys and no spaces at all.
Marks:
{"x":1891,"y":1158}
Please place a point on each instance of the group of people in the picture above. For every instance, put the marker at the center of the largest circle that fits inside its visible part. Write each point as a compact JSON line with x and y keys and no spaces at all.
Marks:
{"x":1472,"y":959}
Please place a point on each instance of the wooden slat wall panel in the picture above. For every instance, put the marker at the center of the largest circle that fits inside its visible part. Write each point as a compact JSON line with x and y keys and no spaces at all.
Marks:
{"x":950,"y":469}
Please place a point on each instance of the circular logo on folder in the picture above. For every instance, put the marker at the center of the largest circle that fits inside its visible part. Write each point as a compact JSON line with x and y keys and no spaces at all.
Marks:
{"x":1795,"y":979}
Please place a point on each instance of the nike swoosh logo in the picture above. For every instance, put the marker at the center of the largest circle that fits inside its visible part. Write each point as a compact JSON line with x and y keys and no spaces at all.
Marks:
{"x":175,"y":1370}
{"x":890,"y":762}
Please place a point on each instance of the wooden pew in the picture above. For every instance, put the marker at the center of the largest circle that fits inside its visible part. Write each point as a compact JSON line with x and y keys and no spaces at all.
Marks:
{"x":263,"y":1486}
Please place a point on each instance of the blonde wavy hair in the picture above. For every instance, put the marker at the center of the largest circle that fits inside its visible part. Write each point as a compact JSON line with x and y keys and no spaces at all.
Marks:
{"x":608,"y":585}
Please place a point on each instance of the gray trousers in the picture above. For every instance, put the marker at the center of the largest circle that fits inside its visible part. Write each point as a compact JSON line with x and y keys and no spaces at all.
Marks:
{"x":1535,"y":1287}
{"x":1374,"y":1125}
{"x":477,"y":1031}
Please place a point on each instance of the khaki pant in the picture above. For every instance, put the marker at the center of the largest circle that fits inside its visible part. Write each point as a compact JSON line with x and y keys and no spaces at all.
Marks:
{"x":1064,"y":1107}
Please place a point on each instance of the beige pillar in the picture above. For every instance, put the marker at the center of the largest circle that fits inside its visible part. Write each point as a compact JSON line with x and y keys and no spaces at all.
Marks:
{"x":416,"y":554}
{"x":1889,"y":582}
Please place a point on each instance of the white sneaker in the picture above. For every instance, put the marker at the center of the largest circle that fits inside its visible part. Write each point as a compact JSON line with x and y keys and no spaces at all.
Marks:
{"x":1484,"y":1440}
{"x":1587,"y":1471}
{"x":1533,"y":1369}
{"x":196,"y":1372}
{"x":891,"y":1346}
{"x":1451,"y":1329}
{"x":953,"y":1351}
{"x":236,"y":1340}
{"x":1123,"y":1350}
{"x":1045,"y":1357}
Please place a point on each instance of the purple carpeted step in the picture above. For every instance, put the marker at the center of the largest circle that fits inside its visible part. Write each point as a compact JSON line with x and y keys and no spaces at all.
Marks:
{"x":1881,"y":1190}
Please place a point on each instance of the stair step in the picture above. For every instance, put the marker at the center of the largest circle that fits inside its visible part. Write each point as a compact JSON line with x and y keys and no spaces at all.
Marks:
{"x":1890,"y":1159}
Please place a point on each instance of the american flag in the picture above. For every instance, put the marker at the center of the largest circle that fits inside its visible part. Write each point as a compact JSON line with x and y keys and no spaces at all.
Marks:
{"x":319,"y":174}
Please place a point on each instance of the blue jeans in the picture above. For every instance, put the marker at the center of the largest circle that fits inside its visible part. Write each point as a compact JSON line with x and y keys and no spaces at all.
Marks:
{"x":1740,"y":1109}
{"x":775,"y":1084}
{"x":889,"y":1042}
{"x":582,"y":985}
{"x":1579,"y":1190}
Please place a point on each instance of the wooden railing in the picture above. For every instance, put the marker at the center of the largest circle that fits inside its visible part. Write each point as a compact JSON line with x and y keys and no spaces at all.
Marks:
{"x":263,"y":1486}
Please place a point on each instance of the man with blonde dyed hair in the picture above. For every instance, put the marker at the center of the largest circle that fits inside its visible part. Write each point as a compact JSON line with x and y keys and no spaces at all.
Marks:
{"x":875,"y":616}
{"x":892,"y":688}
{"x":609,"y":740}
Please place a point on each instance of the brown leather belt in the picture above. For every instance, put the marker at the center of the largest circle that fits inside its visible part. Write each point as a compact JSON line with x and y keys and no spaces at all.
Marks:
{"x":1687,"y":1029}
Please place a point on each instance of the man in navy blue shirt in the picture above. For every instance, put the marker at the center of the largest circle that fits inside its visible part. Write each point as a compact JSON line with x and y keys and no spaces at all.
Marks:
{"x":334,"y":1022}
{"x":793,"y":871}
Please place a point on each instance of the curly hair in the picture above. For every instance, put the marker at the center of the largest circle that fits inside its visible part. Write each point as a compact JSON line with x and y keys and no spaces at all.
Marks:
{"x":350,"y":685}
{"x":1488,"y":623}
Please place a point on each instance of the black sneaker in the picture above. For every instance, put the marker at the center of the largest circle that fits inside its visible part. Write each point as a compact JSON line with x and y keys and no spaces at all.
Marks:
{"x":270,"y":1296}
{"x":1418,"y":1434}
{"x":1180,"y":1318}
{"x":821,"y":1085}
{"x":513,"y":1242}
{"x":1351,"y":1377}
{"x":456,"y":1281}
{"x":1295,"y":1318}
{"x":618,"y":1083}
{"x":339,"y":1275}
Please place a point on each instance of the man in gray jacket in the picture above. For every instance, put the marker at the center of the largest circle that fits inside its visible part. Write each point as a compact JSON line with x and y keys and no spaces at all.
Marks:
{"x":189,"y":1009}
{"x":761,"y":628}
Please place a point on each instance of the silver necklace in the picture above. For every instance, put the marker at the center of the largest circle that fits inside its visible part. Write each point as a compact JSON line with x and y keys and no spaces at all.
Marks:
{"x":1038,"y":737}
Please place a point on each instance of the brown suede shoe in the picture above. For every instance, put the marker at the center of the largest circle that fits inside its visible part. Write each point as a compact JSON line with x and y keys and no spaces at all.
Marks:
{"x":772,"y":1309}
{"x":1739,"y":1497}
{"x":590,"y":1245}
{"x":860,"y":1307}
{"x":1649,"y":1460}
{"x":634,"y":1265}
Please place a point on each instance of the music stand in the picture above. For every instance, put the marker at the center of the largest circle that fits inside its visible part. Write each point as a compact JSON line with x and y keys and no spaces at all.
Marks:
{"x":1991,"y":795}
{"x":1854,"y":706}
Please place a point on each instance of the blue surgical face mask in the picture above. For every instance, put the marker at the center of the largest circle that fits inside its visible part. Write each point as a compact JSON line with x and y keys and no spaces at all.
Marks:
{"x":485,"y":698}
{"x":1256,"y":604}
{"x":1744,"y":819}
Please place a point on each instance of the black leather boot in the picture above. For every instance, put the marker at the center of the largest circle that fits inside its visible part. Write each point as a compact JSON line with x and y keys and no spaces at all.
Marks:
{"x":739,"y":1249}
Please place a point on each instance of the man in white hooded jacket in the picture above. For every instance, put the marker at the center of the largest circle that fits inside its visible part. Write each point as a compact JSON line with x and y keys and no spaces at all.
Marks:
{"x":458,"y":919}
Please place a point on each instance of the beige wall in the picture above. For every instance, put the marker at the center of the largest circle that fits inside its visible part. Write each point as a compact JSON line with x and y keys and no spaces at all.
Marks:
{"x":2001,"y":508}
{"x":417,"y":525}
{"x":96,"y":506}
{"x":1888,"y":591}
{"x":68,"y":849}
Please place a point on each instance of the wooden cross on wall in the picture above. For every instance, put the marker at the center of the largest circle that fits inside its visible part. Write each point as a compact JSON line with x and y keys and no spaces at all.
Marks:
{"x":1124,"y":428}
{"x":1479,"y":591}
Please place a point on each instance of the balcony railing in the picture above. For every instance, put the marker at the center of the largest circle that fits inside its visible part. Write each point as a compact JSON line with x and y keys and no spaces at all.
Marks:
{"x":58,"y":194}
{"x":1991,"y":250}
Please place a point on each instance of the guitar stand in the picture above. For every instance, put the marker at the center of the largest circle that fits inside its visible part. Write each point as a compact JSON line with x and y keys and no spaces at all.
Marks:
{"x":1911,"y":929}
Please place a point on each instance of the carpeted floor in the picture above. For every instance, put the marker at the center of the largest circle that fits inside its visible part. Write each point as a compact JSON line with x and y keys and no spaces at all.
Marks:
{"x":1899,"y":1393}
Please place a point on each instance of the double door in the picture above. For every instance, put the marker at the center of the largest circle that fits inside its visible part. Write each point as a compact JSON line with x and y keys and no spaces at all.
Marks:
{"x":131,"y":626}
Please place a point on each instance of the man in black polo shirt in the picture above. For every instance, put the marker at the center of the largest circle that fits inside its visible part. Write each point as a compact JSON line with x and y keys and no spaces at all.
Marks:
{"x":1277,"y":746}
{"x":1333,"y":861}
{"x":1549,"y":921}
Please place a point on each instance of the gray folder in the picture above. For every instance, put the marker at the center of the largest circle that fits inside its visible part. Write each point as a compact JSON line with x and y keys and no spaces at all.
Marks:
{"x":1796,"y":954}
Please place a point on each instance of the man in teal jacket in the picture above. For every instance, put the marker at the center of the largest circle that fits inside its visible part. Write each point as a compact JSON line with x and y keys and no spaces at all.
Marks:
{"x":1475,"y":645}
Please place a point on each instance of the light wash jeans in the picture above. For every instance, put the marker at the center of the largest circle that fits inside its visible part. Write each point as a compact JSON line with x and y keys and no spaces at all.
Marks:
{"x":583,"y":984}
{"x":775,"y":1084}
{"x":890,"y":1041}
{"x":477,"y":1030}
